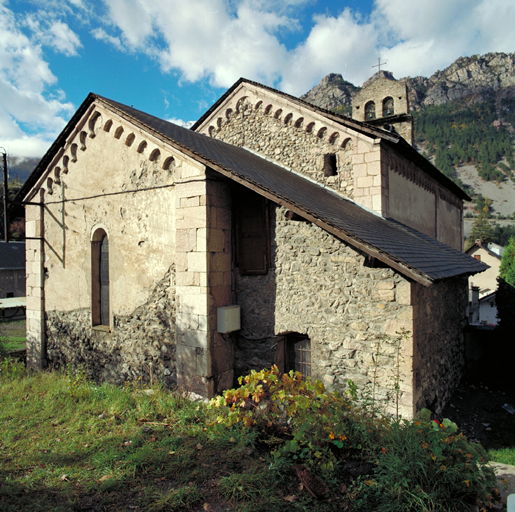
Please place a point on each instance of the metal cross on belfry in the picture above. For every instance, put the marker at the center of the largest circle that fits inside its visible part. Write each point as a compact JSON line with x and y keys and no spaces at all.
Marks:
{"x":379,"y":64}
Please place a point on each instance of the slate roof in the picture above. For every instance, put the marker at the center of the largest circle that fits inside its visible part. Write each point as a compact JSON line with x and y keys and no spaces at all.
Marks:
{"x":12,"y":255}
{"x":414,"y":254}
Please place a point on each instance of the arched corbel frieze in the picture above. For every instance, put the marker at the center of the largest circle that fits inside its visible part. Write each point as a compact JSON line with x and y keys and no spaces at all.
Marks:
{"x":240,"y":103}
{"x":154,"y":156}
{"x":82,"y":139}
{"x":142,"y":146}
{"x":94,"y":121}
{"x":333,"y":139}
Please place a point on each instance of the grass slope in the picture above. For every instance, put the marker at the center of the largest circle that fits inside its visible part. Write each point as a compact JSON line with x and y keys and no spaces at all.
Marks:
{"x":70,"y":445}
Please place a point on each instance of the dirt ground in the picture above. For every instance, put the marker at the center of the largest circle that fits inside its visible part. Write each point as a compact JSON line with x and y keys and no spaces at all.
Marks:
{"x":477,"y":408}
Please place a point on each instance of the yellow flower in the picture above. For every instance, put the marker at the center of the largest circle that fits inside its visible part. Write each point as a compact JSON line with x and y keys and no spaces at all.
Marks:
{"x":331,"y":435}
{"x":418,"y":423}
{"x":469,"y":455}
{"x":443,"y":468}
{"x":425,"y":446}
{"x":467,"y":482}
{"x":343,"y":437}
{"x":433,"y":456}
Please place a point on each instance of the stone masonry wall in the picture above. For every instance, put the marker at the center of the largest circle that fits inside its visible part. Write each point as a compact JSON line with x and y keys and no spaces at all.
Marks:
{"x":288,"y":141}
{"x":109,"y":175}
{"x":140,"y":344}
{"x":439,"y":318}
{"x":318,"y":286}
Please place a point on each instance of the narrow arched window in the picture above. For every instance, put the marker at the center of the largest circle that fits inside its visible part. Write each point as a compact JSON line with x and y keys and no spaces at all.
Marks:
{"x":388,"y":107}
{"x":100,"y":279}
{"x":370,"y":111}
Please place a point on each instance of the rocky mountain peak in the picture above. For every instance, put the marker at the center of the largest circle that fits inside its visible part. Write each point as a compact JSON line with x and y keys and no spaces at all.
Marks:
{"x":474,"y":78}
{"x":332,"y":92}
{"x":380,"y":74}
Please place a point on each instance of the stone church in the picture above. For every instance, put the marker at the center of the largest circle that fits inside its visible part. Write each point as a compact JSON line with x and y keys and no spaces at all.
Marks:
{"x":272,"y":232}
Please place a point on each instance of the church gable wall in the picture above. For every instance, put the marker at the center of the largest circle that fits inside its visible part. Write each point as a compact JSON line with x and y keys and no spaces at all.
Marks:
{"x":114,"y":178}
{"x":290,"y":138}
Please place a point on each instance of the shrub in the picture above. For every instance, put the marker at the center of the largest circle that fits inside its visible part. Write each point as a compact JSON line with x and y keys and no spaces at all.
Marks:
{"x":421,"y":464}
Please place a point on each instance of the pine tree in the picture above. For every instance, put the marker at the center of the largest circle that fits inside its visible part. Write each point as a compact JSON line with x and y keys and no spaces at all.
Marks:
{"x":482,"y":229}
{"x":507,"y":269}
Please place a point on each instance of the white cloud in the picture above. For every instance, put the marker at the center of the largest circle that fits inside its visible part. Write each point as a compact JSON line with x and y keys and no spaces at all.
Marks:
{"x":31,"y":118}
{"x":180,"y":122}
{"x":436,"y":33}
{"x":217,"y":41}
{"x":203,"y":38}
{"x":102,"y":35}
{"x":53,"y":33}
{"x":343,"y":44}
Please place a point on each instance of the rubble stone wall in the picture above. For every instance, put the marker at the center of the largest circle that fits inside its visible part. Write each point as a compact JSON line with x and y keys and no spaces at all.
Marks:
{"x":140,"y":344}
{"x":439,"y":318}
{"x":318,"y":286}
{"x":276,"y":137}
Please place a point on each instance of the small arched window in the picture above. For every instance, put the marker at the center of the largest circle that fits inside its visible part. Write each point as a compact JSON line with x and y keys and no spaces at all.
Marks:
{"x":330,"y":164}
{"x":100,"y":279}
{"x":388,"y":107}
{"x":370,"y":111}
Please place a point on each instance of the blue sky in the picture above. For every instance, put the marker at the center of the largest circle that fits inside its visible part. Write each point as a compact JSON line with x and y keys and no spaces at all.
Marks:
{"x":174,"y":58}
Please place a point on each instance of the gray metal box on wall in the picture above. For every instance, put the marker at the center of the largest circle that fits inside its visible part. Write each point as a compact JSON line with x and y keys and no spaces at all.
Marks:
{"x":229,"y":319}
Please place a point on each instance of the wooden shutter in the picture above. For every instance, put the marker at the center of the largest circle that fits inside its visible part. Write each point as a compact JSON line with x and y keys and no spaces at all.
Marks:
{"x":104,"y":282}
{"x":252,"y":233}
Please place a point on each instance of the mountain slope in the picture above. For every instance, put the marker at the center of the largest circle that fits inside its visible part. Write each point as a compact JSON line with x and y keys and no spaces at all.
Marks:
{"x":464,"y":120}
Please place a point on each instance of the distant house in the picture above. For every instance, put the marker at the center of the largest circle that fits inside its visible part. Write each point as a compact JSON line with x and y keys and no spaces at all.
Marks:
{"x":12,"y":269}
{"x":482,"y":310}
{"x":486,"y":281}
{"x":327,"y":232}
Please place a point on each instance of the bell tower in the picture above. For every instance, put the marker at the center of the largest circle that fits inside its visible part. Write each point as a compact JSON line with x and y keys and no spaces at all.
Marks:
{"x":383,"y":102}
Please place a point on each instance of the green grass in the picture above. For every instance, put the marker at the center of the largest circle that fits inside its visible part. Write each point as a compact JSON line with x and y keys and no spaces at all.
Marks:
{"x":503,"y":455}
{"x":66,"y":443}
{"x":12,"y":335}
{"x":69,"y":444}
